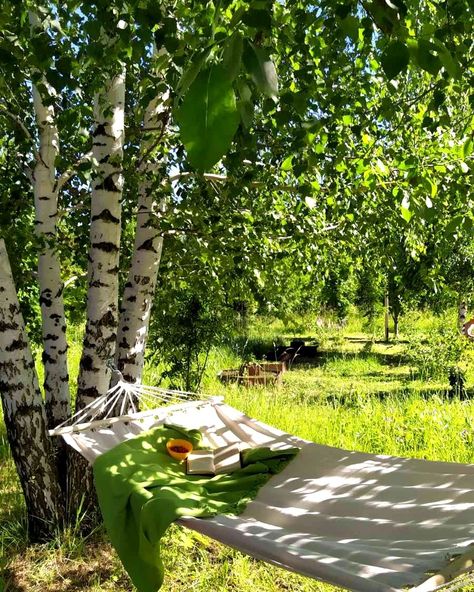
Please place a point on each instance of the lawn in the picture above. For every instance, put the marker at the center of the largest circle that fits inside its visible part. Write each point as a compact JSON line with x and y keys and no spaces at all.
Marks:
{"x":360,"y":394}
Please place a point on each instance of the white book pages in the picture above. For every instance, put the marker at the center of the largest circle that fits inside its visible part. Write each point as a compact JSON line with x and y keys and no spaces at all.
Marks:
{"x":214,"y":462}
{"x":227,"y":459}
{"x":200,"y":462}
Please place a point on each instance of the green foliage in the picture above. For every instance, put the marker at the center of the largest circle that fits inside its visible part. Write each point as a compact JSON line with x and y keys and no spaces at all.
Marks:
{"x":433,"y":356}
{"x":185,"y":329}
{"x":208,"y":117}
{"x":339,"y":290}
{"x":395,"y":58}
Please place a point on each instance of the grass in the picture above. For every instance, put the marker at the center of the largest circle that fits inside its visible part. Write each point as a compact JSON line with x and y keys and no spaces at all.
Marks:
{"x":359,"y":395}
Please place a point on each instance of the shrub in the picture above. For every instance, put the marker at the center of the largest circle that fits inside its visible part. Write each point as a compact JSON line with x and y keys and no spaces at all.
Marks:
{"x":437,"y":354}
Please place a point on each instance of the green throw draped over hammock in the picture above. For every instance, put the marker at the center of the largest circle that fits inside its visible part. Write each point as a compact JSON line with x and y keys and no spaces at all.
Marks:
{"x":142,"y":490}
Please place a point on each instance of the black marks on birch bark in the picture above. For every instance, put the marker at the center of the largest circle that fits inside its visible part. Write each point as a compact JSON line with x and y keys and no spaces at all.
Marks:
{"x":108,"y":184}
{"x":10,"y":388}
{"x":87,"y":364}
{"x":47,"y":359}
{"x":98,"y":284}
{"x":16,"y":344}
{"x":108,"y":320}
{"x":50,"y":337}
{"x":141,"y":280}
{"x":101,"y":131}
{"x":5,"y":326}
{"x":105,"y":216}
{"x":148,"y":246}
{"x":106,"y":247}
{"x":46,"y":298}
{"x":90,"y":392}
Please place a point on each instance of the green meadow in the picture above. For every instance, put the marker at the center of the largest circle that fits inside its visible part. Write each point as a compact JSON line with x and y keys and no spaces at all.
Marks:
{"x":361,"y":393}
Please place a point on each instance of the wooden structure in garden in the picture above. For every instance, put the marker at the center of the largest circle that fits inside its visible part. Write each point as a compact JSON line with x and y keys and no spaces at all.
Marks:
{"x":296,"y":352}
{"x":255,"y":373}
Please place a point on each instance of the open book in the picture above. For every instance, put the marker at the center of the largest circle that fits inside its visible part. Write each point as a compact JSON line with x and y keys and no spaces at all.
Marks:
{"x":214,"y":462}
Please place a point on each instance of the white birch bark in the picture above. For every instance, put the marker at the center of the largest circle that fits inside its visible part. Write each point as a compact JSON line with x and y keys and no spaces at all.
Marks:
{"x":56,"y":377}
{"x":137,"y":298}
{"x":102,"y":296}
{"x":24,"y":412}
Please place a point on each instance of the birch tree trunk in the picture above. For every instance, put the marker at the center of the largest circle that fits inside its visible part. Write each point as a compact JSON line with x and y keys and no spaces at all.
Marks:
{"x":137,"y":298}
{"x":24,"y":413}
{"x":56,"y":380}
{"x":102,"y":296}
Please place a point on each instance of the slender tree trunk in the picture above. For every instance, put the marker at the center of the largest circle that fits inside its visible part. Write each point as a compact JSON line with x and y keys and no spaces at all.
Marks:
{"x":462,"y":313}
{"x":387,"y":317}
{"x":396,"y":319}
{"x":24,"y":413}
{"x":137,"y":299}
{"x":102,"y":296}
{"x":56,"y":380}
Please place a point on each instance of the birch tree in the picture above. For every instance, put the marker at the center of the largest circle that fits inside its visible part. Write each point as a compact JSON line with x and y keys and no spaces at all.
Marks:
{"x":45,"y":189}
{"x":139,"y":290}
{"x":102,"y":295}
{"x":24,"y":412}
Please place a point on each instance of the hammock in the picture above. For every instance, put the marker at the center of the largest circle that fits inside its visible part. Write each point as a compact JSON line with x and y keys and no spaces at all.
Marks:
{"x":361,"y":521}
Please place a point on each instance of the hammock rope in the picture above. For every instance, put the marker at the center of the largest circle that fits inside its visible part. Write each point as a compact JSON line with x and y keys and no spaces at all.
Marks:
{"x":125,"y":396}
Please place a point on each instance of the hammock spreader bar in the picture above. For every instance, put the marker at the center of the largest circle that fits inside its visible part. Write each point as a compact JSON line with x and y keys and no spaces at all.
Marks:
{"x":369,"y":523}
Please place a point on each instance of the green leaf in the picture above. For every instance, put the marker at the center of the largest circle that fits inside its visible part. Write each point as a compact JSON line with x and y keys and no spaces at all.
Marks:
{"x":261,"y":69}
{"x":189,"y":75}
{"x":405,"y":209}
{"x":454,"y":225}
{"x":468,"y":147}
{"x":427,"y":58}
{"x":382,"y":167}
{"x":406,"y":213}
{"x":395,"y":58}
{"x":258,"y":18}
{"x":449,"y":63}
{"x":350,"y":25}
{"x":208,"y":117}
{"x":245,"y":105}
{"x":232,"y":57}
{"x":287,"y":164}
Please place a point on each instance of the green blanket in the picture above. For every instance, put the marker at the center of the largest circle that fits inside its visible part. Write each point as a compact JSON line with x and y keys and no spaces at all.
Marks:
{"x":142,"y":490}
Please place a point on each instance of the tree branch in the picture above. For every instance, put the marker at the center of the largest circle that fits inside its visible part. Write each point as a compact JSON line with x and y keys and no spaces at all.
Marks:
{"x":222,"y":178}
{"x":70,"y":172}
{"x":17,"y":120}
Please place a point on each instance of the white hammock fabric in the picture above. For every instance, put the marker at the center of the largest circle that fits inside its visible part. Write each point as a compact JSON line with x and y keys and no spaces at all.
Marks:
{"x":361,"y":521}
